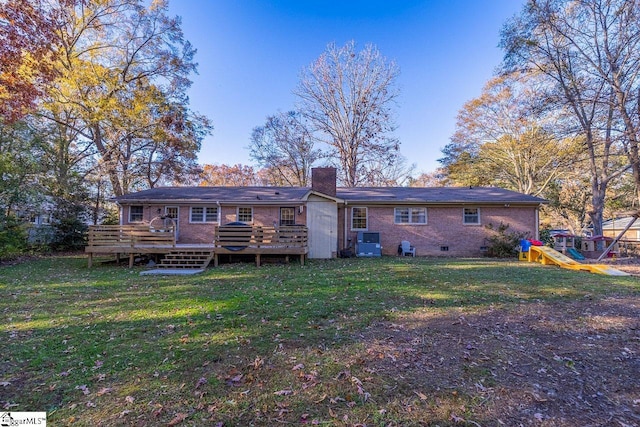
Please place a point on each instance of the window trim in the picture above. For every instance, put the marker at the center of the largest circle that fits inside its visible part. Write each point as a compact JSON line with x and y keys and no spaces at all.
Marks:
{"x":293,"y":210}
{"x":141,"y":213}
{"x":204,"y":214}
{"x":464,"y":217}
{"x":366,"y":218}
{"x":238,"y":214}
{"x":410,"y":217}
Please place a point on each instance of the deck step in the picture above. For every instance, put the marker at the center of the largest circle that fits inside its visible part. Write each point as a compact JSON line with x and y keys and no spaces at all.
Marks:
{"x":186,"y":259}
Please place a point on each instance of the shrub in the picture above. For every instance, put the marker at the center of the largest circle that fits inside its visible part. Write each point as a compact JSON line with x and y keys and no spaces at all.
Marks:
{"x":13,"y":237}
{"x":503,"y":243}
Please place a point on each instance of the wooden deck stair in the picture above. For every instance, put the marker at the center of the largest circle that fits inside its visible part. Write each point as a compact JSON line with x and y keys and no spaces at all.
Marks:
{"x":197,"y":259}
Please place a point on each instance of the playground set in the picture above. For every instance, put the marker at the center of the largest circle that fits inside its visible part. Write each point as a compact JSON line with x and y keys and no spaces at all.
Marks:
{"x":535,"y":251}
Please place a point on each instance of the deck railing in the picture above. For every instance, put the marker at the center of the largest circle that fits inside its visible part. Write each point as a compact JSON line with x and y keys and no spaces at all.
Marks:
{"x":128,"y":236}
{"x":127,"y":239}
{"x":261,"y":240}
{"x":266,"y":237}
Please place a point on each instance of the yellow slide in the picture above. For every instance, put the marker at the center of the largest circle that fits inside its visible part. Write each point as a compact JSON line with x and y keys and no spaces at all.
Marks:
{"x":548,"y":256}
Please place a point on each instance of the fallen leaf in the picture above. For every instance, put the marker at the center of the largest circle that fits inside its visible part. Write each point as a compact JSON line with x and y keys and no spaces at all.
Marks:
{"x":83,"y":388}
{"x":129,"y":399}
{"x":5,"y":383}
{"x":202,"y":381}
{"x":457,"y":419}
{"x":422,"y":396}
{"x":324,"y":396}
{"x":104,"y":390}
{"x":283,"y":392}
{"x":298,"y":367}
{"x":180,"y":417}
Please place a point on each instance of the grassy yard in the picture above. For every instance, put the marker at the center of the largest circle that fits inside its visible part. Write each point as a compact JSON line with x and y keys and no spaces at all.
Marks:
{"x":372,"y":342}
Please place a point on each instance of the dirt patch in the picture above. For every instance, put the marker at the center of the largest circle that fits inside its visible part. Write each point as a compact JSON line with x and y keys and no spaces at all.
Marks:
{"x":544,"y":364}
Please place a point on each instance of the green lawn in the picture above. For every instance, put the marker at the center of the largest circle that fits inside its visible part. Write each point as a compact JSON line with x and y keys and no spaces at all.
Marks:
{"x":240,"y":345}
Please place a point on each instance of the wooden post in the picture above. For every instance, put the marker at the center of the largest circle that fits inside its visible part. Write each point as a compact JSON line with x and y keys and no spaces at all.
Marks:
{"x":131,"y":257}
{"x":618,"y":237}
{"x":90,"y":260}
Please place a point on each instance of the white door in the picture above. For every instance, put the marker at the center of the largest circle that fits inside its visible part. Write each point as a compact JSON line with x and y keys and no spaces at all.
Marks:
{"x":322,"y":222}
{"x":173,"y":212}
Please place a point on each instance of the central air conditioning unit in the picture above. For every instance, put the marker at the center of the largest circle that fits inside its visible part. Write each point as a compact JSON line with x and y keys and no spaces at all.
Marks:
{"x":368,"y":244}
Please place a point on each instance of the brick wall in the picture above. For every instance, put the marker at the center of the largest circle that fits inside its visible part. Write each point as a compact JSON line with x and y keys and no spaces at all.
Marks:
{"x":444,"y":229}
{"x":444,"y":226}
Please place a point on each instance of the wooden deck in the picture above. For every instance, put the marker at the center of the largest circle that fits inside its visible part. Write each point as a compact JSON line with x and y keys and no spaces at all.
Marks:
{"x":261,"y":240}
{"x":128,"y":240}
{"x":135,"y":240}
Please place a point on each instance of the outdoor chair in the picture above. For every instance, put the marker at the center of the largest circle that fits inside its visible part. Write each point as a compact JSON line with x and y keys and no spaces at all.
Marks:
{"x":407,"y":249}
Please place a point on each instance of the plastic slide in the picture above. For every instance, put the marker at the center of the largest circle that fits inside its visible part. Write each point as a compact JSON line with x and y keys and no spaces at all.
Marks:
{"x":548,"y":256}
{"x":573,"y":252}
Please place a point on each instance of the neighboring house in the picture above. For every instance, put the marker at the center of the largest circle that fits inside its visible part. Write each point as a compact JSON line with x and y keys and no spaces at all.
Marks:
{"x":613,"y":227}
{"x":451,"y":221}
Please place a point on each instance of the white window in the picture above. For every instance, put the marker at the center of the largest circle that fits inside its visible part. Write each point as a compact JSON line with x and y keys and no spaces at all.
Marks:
{"x":287,"y":216}
{"x":203,"y":214}
{"x":245,"y":214}
{"x":471,"y":216}
{"x":136,"y":213}
{"x":358,"y":218}
{"x":410,"y":215}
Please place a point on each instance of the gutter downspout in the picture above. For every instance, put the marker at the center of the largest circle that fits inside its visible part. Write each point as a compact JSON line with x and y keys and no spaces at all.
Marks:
{"x":219,"y":211}
{"x":537,"y":223}
{"x":344,"y":225}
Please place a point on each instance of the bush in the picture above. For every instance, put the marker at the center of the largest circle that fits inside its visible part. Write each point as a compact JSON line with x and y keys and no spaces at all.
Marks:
{"x":13,"y":238}
{"x":545,"y":237}
{"x":503,"y":244}
{"x":70,"y":234}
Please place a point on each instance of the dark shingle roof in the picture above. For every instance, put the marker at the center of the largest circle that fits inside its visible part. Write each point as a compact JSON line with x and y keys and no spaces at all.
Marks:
{"x":215,"y":194}
{"x":351,"y":195}
{"x":436,"y":195}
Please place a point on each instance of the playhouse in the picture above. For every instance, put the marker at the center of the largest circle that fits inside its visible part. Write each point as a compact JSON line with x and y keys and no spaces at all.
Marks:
{"x":562,"y":242}
{"x":592,"y":247}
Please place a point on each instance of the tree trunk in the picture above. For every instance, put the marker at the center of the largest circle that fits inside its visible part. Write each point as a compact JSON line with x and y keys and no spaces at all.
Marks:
{"x":107,"y":158}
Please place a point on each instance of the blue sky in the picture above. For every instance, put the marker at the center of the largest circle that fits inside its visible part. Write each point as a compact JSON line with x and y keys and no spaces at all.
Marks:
{"x":251,"y":53}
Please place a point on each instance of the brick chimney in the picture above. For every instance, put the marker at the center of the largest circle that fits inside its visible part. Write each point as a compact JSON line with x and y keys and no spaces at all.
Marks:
{"x":323,"y":180}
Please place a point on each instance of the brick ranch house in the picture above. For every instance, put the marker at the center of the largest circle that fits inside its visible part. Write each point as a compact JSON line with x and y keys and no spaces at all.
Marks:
{"x":442,"y":221}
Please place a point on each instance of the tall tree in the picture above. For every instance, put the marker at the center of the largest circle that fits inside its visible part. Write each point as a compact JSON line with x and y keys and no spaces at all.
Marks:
{"x":21,"y":166}
{"x":348,"y":96}
{"x":284,"y":146}
{"x":566,"y":42}
{"x":501,"y":139}
{"x":28,"y":47}
{"x":124,"y":71}
{"x":228,"y":176}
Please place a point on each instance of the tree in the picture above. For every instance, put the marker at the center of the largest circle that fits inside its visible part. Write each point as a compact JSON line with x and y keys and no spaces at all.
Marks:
{"x":502,"y":140}
{"x":228,"y":176}
{"x":347,"y":96}
{"x":21,"y":167}
{"x":124,"y":72}
{"x":284,"y":147}
{"x":436,"y":178}
{"x":28,"y":46}
{"x":569,"y":44}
